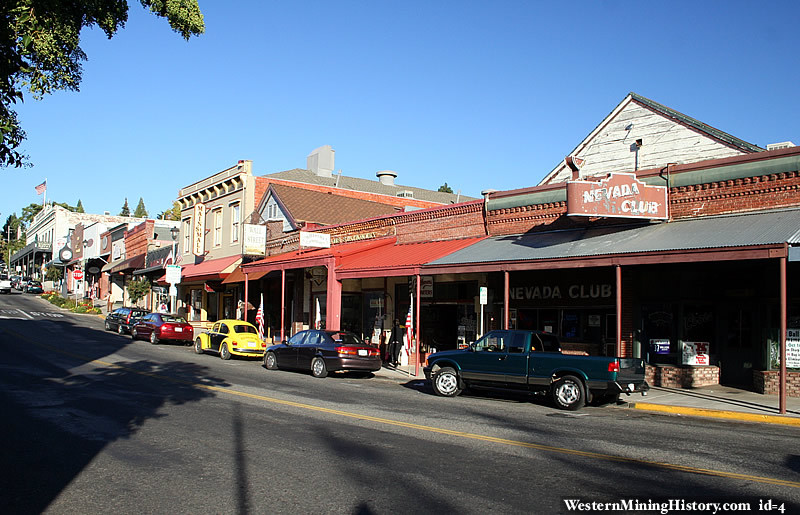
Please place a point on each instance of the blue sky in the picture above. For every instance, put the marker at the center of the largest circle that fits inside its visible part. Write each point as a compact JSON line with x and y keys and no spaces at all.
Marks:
{"x":479,"y":95}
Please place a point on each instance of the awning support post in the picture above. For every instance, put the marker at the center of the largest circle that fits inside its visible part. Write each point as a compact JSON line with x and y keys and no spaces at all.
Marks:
{"x":782,"y":380}
{"x":618,"y":271}
{"x":506,"y":310}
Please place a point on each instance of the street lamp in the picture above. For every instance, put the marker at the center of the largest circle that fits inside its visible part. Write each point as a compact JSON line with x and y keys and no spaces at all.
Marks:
{"x":174,"y":232}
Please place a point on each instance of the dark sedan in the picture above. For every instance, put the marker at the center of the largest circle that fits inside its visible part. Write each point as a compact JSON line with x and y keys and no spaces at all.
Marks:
{"x":33,"y":287}
{"x":160,"y":326}
{"x":122,"y":319}
{"x":322,"y":352}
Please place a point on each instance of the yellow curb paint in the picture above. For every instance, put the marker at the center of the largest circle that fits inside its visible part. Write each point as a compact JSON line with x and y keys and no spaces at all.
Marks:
{"x":730,"y":415}
{"x":431,"y":429}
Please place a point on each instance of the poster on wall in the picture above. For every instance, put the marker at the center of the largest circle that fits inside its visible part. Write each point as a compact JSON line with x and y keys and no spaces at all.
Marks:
{"x":793,"y":348}
{"x":659,"y":345}
{"x":695,"y":353}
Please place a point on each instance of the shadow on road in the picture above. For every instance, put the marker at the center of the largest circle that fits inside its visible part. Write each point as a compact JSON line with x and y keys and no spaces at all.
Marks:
{"x":62,"y":400}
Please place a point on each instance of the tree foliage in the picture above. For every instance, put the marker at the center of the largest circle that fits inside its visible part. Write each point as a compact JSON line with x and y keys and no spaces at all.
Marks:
{"x":126,"y":211}
{"x":138,"y":288}
{"x":173,"y":213}
{"x":79,"y":207}
{"x":141,"y":211}
{"x":40,"y":50}
{"x":444,"y":188}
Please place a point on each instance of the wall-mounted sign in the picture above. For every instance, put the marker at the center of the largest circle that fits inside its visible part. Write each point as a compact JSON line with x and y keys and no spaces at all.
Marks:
{"x":199,"y":230}
{"x":425,"y":287}
{"x":695,"y":353}
{"x":255,"y":239}
{"x":619,"y":195}
{"x":315,"y":239}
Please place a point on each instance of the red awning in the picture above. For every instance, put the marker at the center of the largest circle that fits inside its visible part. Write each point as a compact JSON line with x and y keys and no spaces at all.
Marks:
{"x":397,"y":260}
{"x":208,"y":270}
{"x":134,"y":263}
{"x":311,"y":258}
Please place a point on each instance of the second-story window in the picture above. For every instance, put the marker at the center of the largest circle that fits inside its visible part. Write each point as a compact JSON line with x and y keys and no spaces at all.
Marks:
{"x":218,"y":227}
{"x":235,"y":222}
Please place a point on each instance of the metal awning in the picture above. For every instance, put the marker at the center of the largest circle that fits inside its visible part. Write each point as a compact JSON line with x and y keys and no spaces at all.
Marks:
{"x":754,"y":235}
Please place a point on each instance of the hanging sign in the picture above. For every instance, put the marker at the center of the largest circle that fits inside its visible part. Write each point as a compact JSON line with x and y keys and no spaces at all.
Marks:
{"x":619,"y":195}
{"x":255,"y":239}
{"x":199,"y":230}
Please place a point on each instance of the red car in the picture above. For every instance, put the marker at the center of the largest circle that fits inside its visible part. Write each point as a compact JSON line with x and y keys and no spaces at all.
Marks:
{"x":160,"y":326}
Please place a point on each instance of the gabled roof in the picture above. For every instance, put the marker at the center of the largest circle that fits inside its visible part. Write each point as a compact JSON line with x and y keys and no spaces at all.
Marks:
{"x":366,"y":185}
{"x":596,"y":143}
{"x":700,"y":126}
{"x":303,"y":205}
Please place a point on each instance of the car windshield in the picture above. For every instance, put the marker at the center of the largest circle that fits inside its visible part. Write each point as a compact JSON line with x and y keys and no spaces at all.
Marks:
{"x":34,"y":283}
{"x":346,"y":338}
{"x":171,"y":318}
{"x":241,"y":328}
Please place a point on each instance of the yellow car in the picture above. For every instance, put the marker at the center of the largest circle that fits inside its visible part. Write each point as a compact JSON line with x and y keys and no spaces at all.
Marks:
{"x":231,"y":337}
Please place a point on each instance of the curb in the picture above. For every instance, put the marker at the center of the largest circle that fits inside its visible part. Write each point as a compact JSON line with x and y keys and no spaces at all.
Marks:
{"x":729,"y":415}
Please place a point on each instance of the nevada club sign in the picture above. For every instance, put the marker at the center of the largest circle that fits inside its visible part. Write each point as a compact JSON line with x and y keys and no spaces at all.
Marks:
{"x":618,"y":195}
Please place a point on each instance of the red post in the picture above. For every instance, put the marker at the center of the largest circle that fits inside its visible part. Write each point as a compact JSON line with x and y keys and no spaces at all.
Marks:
{"x":283,"y":301}
{"x":419,"y":325}
{"x":618,"y":270}
{"x":244,"y":311}
{"x":505,"y":300}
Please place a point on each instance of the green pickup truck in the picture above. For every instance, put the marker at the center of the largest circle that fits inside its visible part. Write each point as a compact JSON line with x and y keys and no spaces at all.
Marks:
{"x":532,"y":361}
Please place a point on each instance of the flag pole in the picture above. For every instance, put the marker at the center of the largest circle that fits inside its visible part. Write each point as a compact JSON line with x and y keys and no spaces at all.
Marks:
{"x":44,"y":199}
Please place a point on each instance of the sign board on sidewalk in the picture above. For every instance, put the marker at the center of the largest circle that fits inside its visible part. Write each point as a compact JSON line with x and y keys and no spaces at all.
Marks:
{"x":77,"y":275}
{"x":484,"y":295}
{"x":173,"y":274}
{"x":793,"y":348}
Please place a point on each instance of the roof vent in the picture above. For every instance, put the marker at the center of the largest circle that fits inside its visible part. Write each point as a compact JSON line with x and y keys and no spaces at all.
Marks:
{"x":405,"y":194}
{"x":776,"y":146}
{"x":320,"y":161}
{"x":387,"y":177}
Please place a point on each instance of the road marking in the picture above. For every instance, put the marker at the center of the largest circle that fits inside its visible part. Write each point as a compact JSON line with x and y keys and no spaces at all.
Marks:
{"x":431,"y":429}
{"x":27,"y":315}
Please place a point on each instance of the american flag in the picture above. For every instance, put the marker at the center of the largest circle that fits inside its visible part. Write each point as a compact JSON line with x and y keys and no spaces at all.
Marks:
{"x":260,"y":318}
{"x":41,"y":188}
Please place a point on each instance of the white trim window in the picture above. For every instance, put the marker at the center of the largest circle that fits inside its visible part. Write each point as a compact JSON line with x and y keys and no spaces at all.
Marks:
{"x":187,"y":235}
{"x":218,"y":227}
{"x":235,"y":221}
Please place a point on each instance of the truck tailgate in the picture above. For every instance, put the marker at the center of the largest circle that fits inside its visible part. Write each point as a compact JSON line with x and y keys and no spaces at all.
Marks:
{"x":630,"y":370}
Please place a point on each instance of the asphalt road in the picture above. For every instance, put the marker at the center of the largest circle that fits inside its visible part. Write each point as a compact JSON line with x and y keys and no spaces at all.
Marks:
{"x":95,"y":423}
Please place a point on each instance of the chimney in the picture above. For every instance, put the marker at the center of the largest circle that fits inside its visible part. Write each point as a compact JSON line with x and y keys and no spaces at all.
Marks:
{"x":387,"y":177}
{"x":320,"y":161}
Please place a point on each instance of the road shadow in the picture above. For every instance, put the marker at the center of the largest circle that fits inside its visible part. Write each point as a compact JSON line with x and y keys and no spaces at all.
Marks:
{"x":64,"y":398}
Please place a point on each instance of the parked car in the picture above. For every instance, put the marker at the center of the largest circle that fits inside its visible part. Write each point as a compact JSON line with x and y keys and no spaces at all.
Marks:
{"x":230,"y":338}
{"x":122,"y":319}
{"x":160,"y":326}
{"x":5,"y":284}
{"x":33,"y":287}
{"x":532,"y":361}
{"x":322,"y":352}
{"x":19,"y":282}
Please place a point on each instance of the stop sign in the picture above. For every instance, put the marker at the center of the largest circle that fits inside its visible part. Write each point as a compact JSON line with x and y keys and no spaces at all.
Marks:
{"x":77,"y":275}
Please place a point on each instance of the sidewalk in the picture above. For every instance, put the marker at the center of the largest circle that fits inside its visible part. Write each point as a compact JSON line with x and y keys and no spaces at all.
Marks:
{"x":711,"y":401}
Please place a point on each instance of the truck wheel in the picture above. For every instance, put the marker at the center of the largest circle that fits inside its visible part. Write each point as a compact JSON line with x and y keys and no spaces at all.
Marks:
{"x":445,"y":382}
{"x":568,"y":393}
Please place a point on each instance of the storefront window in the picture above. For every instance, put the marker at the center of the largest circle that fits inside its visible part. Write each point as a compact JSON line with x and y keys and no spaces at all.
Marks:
{"x":213,"y":307}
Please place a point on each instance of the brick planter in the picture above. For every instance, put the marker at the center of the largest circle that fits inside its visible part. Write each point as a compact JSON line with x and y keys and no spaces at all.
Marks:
{"x":671,"y":376}
{"x":768,"y":382}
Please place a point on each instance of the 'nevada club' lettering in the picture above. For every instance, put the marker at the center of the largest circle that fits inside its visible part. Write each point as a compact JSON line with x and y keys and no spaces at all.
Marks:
{"x":575,"y":291}
{"x":619,"y":195}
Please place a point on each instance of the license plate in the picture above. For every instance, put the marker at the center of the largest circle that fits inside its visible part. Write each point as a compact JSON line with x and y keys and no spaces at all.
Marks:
{"x":179,"y":329}
{"x":362,"y":352}
{"x":251,"y":344}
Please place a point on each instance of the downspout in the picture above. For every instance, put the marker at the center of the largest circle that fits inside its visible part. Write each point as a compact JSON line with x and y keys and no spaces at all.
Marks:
{"x":782,"y":379}
{"x":486,"y":194}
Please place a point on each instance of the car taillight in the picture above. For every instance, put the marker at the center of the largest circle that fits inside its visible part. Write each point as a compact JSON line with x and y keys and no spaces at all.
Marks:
{"x":234,"y":343}
{"x":353,"y":351}
{"x":613,"y":366}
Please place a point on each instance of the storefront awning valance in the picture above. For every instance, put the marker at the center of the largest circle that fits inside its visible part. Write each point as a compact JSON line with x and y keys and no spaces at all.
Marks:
{"x":398,"y":260}
{"x":208,"y":270}
{"x":133,"y":263}
{"x":754,"y":235}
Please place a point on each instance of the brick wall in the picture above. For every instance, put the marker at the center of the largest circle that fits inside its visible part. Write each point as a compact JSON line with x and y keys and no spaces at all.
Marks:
{"x":670,"y":376}
{"x":768,"y":382}
{"x":136,"y":239}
